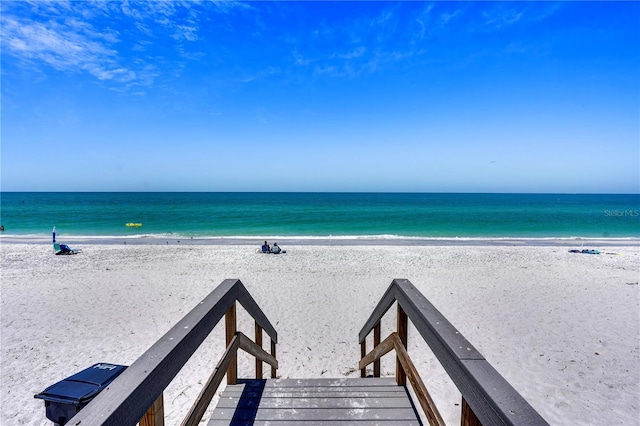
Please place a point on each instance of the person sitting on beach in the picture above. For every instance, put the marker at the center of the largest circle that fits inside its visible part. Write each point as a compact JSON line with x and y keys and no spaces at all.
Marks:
{"x":275,"y":249}
{"x":266,"y":248}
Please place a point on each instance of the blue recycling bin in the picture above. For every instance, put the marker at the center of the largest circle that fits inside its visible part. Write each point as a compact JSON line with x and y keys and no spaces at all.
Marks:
{"x":64,"y":399}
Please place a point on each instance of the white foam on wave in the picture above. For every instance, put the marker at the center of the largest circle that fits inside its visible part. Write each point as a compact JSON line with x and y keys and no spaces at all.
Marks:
{"x":43,"y":238}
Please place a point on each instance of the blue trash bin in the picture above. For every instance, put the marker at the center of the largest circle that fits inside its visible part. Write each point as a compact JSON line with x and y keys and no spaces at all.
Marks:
{"x":64,"y":399}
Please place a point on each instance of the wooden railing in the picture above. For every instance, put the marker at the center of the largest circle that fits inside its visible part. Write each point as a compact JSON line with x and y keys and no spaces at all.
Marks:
{"x":487,"y":398}
{"x":136,"y":395}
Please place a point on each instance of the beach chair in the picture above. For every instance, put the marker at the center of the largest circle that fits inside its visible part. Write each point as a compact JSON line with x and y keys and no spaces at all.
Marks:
{"x":64,"y":249}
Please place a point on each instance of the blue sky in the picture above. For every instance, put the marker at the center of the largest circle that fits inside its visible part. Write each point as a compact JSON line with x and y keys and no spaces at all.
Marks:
{"x":321,"y":96}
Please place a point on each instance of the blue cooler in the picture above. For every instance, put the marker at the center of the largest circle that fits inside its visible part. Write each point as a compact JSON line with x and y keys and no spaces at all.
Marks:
{"x":64,"y":399}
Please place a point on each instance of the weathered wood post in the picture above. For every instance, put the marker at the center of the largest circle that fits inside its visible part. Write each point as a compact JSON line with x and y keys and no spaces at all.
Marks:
{"x":230,"y":332}
{"x":273,"y":354}
{"x":376,"y":342}
{"x":363,"y":353}
{"x":401,"y":377}
{"x":155,"y":414}
{"x":468,"y":416}
{"x":259,"y":343}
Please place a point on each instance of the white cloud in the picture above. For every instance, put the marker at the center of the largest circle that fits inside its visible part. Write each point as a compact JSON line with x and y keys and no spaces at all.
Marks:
{"x":300,"y":59}
{"x":354,"y":53}
{"x":446,"y":17}
{"x":61,"y":48}
{"x":422,"y":19}
{"x":503,"y":16}
{"x":185,"y":32}
{"x":266,"y":73}
{"x":79,"y":36}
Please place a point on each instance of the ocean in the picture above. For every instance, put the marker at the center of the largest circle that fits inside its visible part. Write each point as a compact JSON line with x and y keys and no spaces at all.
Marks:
{"x":333,"y":215}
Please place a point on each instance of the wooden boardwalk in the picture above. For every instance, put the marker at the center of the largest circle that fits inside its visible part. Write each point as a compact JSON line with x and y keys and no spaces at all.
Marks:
{"x":370,"y":401}
{"x":136,"y":396}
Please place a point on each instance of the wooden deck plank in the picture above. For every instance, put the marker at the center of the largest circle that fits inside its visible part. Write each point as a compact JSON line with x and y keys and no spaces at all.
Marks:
{"x":315,"y":394}
{"x":314,"y":414}
{"x":344,"y":401}
{"x":280,"y":402}
{"x":323,"y":388}
{"x":314,"y":423}
{"x":310,"y":389}
{"x":336,"y":382}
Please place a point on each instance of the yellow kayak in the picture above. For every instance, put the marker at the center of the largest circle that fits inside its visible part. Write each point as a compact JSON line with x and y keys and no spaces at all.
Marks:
{"x":134,"y":225}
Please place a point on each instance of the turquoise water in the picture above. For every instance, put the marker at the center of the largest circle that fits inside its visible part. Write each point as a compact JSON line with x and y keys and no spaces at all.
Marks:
{"x":322,"y":214}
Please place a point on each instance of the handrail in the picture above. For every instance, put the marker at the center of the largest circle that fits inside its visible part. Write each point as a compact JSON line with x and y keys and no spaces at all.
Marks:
{"x":128,"y":397}
{"x":239,"y":341}
{"x":208,"y":391}
{"x":394,"y":342}
{"x":489,"y":396}
{"x":260,"y":354}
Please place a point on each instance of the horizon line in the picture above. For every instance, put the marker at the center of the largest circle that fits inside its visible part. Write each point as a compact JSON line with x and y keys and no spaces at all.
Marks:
{"x":328,"y":192}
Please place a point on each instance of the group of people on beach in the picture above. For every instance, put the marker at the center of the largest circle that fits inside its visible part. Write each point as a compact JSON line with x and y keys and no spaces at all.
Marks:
{"x":266,"y":248}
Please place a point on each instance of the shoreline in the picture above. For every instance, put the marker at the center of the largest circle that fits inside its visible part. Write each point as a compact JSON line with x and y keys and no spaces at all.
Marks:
{"x":327,"y":241}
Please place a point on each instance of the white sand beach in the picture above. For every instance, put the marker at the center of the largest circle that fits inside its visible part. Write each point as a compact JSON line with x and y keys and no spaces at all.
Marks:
{"x":562,"y":328}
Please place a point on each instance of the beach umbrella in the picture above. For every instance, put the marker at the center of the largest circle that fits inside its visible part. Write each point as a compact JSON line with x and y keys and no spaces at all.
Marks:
{"x":54,"y":234}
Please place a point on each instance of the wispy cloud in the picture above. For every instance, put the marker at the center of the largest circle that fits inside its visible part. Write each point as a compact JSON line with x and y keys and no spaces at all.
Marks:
{"x":265,"y":73}
{"x":78,"y":36}
{"x":393,"y":36}
{"x":186,"y":32}
{"x":502,"y":18}
{"x":448,"y":16}
{"x":422,"y":19}
{"x":433,"y":20}
{"x":63,"y":47}
{"x":507,"y":14}
{"x":349,"y":50}
{"x":299,"y":58}
{"x":352,"y":53}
